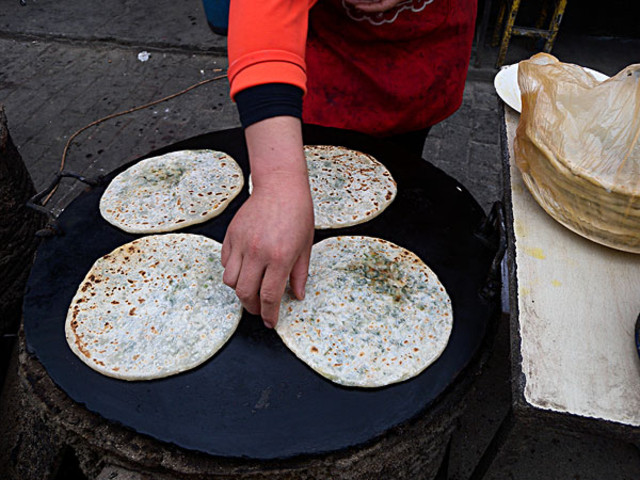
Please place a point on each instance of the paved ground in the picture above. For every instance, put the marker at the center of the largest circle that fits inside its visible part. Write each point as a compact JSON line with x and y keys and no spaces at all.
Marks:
{"x":66,"y":64}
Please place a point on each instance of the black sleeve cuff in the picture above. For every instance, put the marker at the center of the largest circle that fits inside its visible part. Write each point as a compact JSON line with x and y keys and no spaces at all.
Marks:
{"x":269,"y":100}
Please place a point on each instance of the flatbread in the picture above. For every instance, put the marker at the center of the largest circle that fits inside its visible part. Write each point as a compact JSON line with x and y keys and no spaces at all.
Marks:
{"x":152,"y":308}
{"x":171,"y":191}
{"x":347,"y":187}
{"x":374,"y":314}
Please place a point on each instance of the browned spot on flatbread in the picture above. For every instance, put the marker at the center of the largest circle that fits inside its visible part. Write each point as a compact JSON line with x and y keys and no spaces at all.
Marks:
{"x":80,"y":345}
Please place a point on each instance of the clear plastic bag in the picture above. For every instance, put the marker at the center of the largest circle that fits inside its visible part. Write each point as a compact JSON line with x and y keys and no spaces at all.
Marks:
{"x":577,"y":146}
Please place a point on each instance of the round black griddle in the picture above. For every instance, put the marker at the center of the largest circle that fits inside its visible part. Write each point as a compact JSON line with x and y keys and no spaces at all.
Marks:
{"x":254,"y":398}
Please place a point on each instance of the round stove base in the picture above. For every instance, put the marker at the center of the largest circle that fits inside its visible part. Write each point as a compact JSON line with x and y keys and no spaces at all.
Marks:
{"x":211,"y":422}
{"x":254,"y":399}
{"x":48,"y":423}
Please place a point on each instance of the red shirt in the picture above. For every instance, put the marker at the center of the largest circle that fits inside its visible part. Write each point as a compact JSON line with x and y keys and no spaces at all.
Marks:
{"x":387,"y":73}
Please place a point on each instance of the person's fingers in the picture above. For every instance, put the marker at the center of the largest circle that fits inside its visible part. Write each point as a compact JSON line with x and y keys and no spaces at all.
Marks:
{"x":225,"y":252}
{"x":248,"y":285}
{"x":299,"y":274}
{"x":232,"y":270}
{"x":271,"y":291}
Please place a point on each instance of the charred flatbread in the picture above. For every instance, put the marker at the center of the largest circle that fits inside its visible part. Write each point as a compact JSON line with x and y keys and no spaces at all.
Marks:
{"x":171,"y":191}
{"x":374,"y":314}
{"x":348,"y":187}
{"x":152,"y":308}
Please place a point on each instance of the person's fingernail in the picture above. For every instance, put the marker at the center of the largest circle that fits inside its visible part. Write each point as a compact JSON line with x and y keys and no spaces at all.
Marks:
{"x":267,"y":324}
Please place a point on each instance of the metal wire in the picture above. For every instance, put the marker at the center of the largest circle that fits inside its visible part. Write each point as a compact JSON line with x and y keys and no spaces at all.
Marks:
{"x":118,"y":114}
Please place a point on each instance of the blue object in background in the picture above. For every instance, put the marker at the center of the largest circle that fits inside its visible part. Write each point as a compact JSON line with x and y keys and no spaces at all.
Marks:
{"x":217,"y":12}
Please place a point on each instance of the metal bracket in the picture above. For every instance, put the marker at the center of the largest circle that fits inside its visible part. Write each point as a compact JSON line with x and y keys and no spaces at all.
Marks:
{"x":492,"y":232}
{"x":52,"y":228}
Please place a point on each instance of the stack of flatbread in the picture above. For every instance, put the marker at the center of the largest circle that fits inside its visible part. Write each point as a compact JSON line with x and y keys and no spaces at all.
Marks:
{"x":578,"y":148}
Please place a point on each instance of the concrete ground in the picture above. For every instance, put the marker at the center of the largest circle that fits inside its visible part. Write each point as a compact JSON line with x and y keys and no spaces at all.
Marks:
{"x":65,"y":64}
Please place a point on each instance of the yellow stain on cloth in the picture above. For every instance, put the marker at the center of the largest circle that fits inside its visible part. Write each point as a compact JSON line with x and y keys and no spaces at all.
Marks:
{"x":535,"y":252}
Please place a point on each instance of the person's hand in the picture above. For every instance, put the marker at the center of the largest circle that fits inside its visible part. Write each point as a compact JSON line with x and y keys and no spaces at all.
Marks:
{"x":267,"y":243}
{"x":372,"y":6}
{"x":269,"y":240}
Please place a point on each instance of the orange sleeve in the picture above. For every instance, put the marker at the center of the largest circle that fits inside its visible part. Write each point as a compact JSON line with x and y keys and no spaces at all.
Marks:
{"x":266,"y":42}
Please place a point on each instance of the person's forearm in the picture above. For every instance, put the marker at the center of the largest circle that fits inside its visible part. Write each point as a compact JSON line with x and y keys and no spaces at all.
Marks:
{"x":276,"y":153}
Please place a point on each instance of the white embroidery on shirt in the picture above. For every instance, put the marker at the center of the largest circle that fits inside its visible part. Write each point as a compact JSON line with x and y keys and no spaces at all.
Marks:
{"x":389,"y":16}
